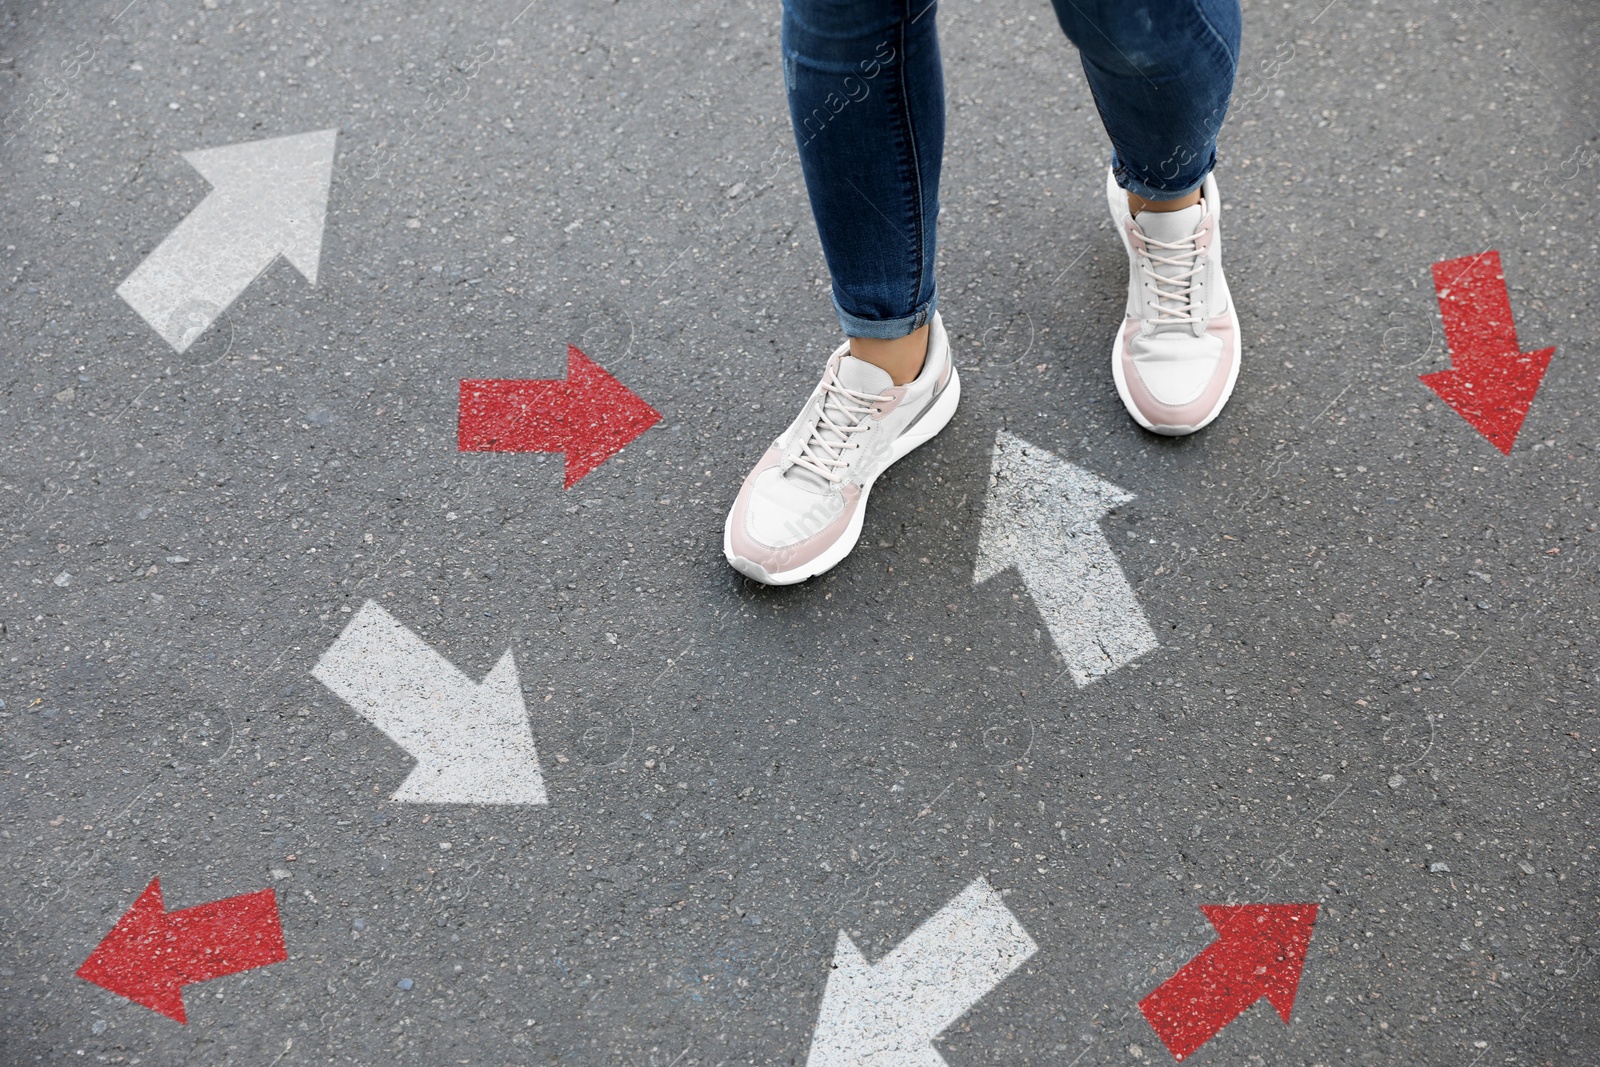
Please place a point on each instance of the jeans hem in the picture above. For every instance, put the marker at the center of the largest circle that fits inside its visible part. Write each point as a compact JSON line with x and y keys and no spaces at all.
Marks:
{"x":887,"y":329}
{"x":1129,"y":182}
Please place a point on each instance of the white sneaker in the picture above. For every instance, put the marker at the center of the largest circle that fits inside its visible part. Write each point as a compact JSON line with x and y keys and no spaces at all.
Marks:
{"x":1176,"y":358}
{"x":799,"y":511}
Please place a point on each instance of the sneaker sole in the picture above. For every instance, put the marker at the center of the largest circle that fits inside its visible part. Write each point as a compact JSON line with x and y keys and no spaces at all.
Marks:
{"x":926,"y":428}
{"x":1164,"y":429}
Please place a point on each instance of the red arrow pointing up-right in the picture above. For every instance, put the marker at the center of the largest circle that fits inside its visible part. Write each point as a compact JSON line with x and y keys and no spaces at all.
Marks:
{"x":1491,"y":382}
{"x":1259,"y":951}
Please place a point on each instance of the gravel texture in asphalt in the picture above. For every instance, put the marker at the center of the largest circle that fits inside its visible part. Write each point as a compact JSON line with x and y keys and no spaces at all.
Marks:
{"x":1348,"y":644}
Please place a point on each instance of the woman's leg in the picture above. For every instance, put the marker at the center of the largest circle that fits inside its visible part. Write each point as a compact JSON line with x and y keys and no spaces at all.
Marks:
{"x":1161,"y":74}
{"x":866,"y":97}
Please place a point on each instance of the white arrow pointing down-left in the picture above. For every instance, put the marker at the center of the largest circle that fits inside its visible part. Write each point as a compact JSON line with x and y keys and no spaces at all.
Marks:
{"x":888,"y":1014}
{"x":268,"y":198}
{"x":471,"y":741}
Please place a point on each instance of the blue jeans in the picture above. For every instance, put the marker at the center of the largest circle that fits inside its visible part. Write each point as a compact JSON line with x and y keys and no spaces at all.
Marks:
{"x":866,"y":97}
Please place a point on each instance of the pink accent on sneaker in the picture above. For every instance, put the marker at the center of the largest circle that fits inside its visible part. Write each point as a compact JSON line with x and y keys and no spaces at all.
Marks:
{"x":1134,"y":236}
{"x":1191,"y":413}
{"x":895,"y":395}
{"x":779,"y":560}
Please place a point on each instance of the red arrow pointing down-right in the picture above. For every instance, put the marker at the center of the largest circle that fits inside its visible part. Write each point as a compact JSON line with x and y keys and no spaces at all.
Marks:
{"x":1259,"y":952}
{"x":1491,"y":382}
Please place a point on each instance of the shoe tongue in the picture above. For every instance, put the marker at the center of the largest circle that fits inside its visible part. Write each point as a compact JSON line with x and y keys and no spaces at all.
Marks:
{"x":861,"y":377}
{"x":1171,"y":226}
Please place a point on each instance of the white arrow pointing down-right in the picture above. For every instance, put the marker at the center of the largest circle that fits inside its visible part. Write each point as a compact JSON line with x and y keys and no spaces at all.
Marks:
{"x":471,"y":741}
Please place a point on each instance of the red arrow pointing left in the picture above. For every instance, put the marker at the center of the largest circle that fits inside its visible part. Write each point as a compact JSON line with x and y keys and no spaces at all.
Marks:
{"x":590,"y":416}
{"x":152,"y":953}
{"x":1259,"y":951}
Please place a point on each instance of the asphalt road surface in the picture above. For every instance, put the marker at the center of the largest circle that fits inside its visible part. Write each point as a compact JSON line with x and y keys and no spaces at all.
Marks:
{"x":257,"y":601}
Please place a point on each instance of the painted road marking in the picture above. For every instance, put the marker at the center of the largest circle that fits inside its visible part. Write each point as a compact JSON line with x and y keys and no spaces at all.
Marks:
{"x":1259,"y":952}
{"x":1491,"y":382}
{"x":589,"y":416}
{"x":471,"y":741}
{"x":889,"y":1013}
{"x":152,"y":953}
{"x":268,"y":198}
{"x":1042,"y":516}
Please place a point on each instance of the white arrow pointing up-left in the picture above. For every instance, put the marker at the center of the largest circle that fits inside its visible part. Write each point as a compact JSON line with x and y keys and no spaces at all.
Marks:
{"x":887,"y":1014}
{"x":471,"y":741}
{"x":268,"y":198}
{"x":1042,"y":515}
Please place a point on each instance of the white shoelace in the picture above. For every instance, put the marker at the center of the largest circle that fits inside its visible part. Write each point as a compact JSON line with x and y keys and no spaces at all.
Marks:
{"x":827,"y":456}
{"x":1177,"y":287}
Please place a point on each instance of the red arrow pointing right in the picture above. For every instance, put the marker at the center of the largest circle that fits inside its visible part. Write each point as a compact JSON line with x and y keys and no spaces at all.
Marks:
{"x":152,"y":953}
{"x":590,"y":416}
{"x":1491,"y":382}
{"x":1259,"y":951}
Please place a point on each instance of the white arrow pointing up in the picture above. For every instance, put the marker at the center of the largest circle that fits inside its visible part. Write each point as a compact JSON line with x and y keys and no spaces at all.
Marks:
{"x":268,"y":198}
{"x":1042,"y":516}
{"x":471,"y":742}
{"x":887,"y":1014}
